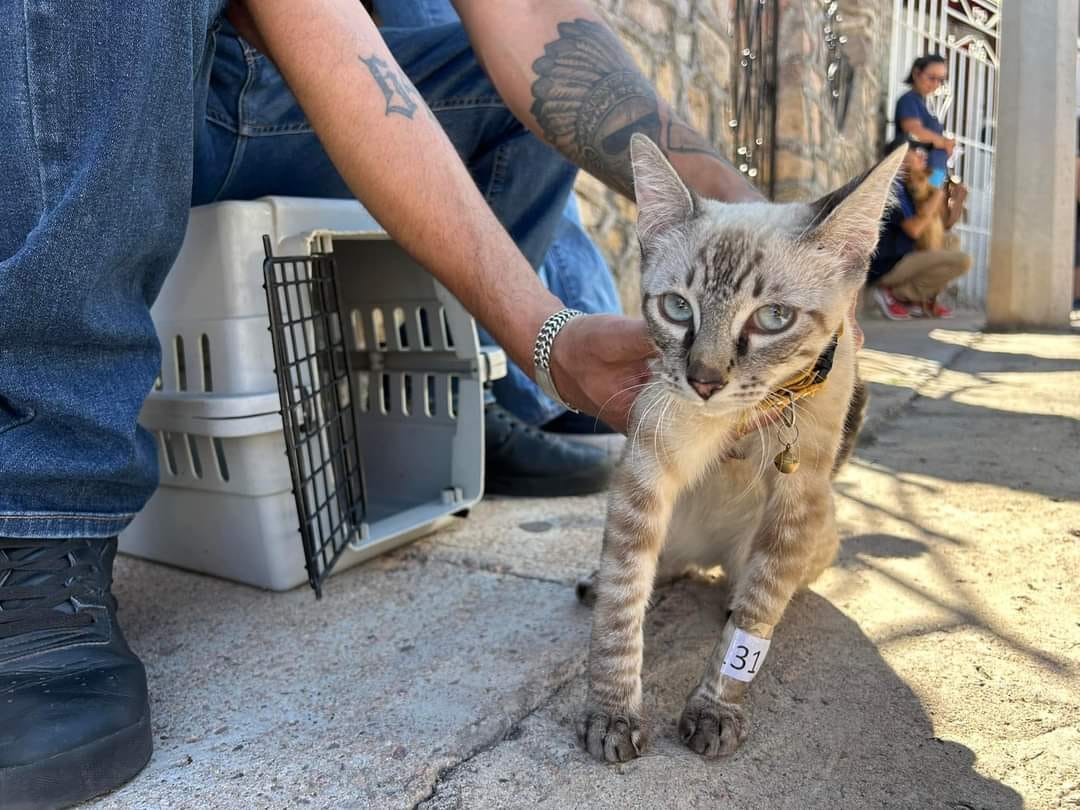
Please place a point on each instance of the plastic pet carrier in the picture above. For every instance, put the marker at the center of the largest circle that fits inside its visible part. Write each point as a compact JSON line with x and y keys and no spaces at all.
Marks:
{"x":358,"y":420}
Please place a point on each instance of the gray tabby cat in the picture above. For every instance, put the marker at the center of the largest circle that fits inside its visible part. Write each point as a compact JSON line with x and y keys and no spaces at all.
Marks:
{"x":753,"y":405}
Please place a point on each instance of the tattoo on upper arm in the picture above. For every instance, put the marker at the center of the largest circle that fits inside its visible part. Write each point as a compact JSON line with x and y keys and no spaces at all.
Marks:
{"x":589,"y":98}
{"x":397,"y":89}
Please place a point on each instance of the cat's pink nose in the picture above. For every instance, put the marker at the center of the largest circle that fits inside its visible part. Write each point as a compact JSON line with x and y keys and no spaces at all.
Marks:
{"x":706,"y":388}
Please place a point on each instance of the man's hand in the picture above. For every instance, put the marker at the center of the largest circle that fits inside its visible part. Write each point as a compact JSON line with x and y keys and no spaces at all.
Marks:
{"x":958,"y":193}
{"x":600,"y":365}
{"x":948,"y":144}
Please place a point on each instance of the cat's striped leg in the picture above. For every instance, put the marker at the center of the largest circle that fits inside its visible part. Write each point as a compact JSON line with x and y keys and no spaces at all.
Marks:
{"x":658,"y":462}
{"x":799,"y":530}
{"x":638,"y":515}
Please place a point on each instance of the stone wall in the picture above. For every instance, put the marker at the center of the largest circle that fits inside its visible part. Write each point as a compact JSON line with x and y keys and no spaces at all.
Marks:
{"x":813,"y":153}
{"x":685,"y":48}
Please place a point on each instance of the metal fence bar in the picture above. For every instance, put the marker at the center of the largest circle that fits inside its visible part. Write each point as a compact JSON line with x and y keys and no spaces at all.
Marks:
{"x":973,"y":134}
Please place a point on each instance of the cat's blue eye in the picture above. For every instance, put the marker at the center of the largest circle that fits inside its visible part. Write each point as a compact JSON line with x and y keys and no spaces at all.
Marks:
{"x":676,"y":308}
{"x":773,"y":318}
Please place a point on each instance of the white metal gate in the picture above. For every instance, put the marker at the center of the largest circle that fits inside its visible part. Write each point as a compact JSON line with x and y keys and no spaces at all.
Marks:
{"x":965,"y":32}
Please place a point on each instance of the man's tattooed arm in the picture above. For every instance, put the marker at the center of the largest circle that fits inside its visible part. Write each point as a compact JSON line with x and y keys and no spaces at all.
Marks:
{"x":395,"y":86}
{"x":589,"y":98}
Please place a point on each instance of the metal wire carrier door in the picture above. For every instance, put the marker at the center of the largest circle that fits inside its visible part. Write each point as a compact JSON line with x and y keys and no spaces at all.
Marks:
{"x":315,"y":381}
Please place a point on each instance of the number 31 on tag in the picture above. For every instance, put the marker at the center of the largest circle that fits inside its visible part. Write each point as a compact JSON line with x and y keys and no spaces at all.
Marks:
{"x":744,"y":656}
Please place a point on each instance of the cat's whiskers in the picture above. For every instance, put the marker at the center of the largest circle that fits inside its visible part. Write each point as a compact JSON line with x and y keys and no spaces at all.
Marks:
{"x":759,"y":473}
{"x":660,"y":430}
{"x":644,"y":386}
{"x":807,"y":415}
{"x":802,"y":412}
{"x":637,"y":428}
{"x":763,"y":456}
{"x":799,"y":410}
{"x":634,"y":444}
{"x":644,"y":417}
{"x":648,"y":375}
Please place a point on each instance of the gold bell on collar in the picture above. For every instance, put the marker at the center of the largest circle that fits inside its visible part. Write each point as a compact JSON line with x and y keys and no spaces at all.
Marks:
{"x":787,"y":460}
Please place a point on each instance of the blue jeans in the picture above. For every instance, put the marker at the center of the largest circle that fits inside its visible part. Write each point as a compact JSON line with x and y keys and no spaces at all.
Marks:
{"x":573,"y":269}
{"x":112,"y":125}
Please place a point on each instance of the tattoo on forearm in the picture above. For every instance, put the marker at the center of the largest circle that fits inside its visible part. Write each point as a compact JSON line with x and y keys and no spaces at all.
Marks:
{"x":589,"y":98}
{"x":397,"y":89}
{"x":682,"y":137}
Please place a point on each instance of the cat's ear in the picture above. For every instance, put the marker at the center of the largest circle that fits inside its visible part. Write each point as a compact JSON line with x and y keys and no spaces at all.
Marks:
{"x":847,"y":222}
{"x":663,"y":199}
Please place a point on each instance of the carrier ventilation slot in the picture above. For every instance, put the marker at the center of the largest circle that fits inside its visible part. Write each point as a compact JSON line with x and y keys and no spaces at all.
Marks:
{"x":207,"y":374}
{"x":181,"y":366}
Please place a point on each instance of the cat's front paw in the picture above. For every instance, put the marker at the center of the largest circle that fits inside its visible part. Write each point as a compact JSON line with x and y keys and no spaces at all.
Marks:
{"x":713,"y":729}
{"x":611,"y":737}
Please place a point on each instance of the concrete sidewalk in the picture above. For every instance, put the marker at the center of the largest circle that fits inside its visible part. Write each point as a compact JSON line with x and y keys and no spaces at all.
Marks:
{"x":935,"y":665}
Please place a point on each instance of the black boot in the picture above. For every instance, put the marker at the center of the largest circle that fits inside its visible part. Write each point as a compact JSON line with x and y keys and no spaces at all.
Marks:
{"x":521,"y":460}
{"x":583,"y":429}
{"x":578,"y":424}
{"x":74,"y":713}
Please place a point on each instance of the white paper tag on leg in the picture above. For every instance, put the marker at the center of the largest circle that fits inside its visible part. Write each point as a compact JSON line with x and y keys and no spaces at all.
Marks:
{"x":744,"y":656}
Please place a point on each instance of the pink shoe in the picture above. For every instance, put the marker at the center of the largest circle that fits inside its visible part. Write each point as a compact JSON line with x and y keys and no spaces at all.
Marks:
{"x":889,"y":306}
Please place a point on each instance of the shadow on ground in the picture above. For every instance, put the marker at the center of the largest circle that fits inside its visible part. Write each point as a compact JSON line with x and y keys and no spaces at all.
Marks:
{"x":986,"y":401}
{"x":833,"y":726}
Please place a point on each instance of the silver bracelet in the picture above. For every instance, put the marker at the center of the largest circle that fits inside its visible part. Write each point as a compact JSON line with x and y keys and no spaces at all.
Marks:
{"x":545,"y":339}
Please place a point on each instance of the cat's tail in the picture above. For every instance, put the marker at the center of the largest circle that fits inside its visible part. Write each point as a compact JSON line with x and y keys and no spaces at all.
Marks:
{"x":856,"y":412}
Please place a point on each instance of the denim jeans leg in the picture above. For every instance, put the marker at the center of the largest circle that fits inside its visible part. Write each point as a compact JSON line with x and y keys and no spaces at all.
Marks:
{"x":414,"y":13}
{"x":96,"y":116}
{"x":579,"y":273}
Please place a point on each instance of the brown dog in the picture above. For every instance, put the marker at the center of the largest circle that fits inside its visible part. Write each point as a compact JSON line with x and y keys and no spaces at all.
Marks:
{"x":918,"y":186}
